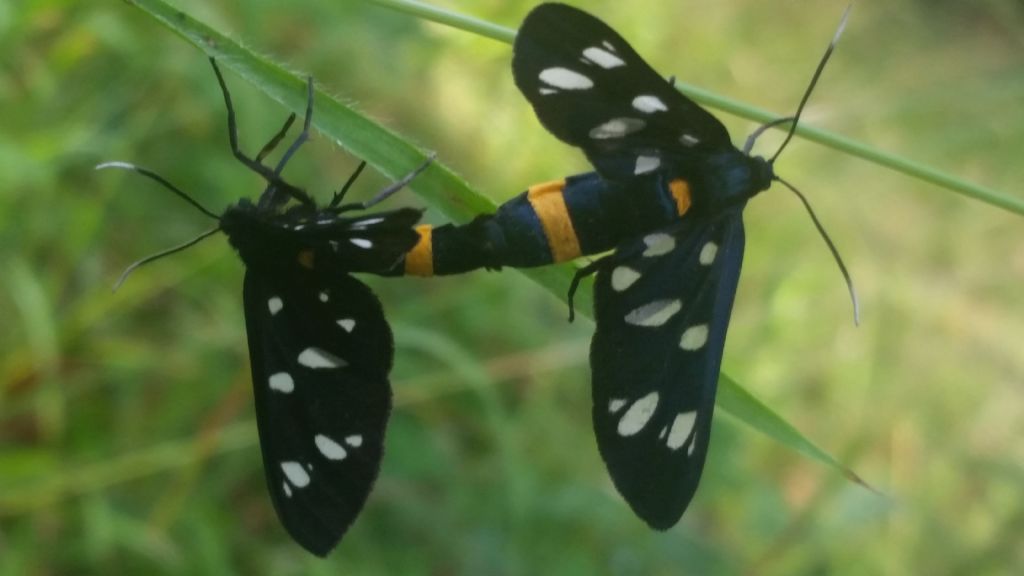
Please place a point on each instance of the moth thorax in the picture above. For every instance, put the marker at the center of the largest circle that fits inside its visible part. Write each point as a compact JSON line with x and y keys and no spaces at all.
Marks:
{"x":732,"y":178}
{"x":763,"y":173}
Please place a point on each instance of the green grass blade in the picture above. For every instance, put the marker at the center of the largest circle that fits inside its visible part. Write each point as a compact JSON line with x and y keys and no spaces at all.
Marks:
{"x":439,"y":185}
{"x":450,"y":18}
{"x":708,"y":98}
{"x":751,"y":411}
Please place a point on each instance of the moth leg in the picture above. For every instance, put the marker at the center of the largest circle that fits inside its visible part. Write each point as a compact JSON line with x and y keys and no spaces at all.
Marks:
{"x":233,"y":131}
{"x":269,"y":146}
{"x":340,"y":194}
{"x":272,"y":177}
{"x":304,"y":135}
{"x":383,"y":194}
{"x":582,"y":273}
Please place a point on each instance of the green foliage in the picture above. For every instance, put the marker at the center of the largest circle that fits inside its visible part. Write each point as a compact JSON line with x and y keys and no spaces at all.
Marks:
{"x":126,"y":439}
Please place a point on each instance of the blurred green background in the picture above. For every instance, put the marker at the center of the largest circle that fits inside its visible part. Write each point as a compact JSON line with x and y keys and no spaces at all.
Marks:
{"x":127,"y":440}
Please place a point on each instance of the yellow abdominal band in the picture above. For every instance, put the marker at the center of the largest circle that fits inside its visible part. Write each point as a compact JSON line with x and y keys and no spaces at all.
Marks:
{"x":549,"y":204}
{"x":420,"y":260}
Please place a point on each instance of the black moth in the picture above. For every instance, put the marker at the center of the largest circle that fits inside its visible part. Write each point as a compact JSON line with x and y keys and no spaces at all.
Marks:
{"x":319,"y":344}
{"x":663,"y":299}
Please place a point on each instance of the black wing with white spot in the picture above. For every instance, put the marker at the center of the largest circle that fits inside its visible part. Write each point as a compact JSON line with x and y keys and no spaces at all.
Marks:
{"x":321,"y":351}
{"x":591,"y":89}
{"x":662,"y":306}
{"x":371,"y":243}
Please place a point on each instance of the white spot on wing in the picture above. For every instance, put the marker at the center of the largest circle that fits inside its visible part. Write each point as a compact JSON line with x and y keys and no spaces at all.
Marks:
{"x":645,"y":164}
{"x":603,"y":58}
{"x":275,"y":304}
{"x":687,"y":140}
{"x":355,"y":440}
{"x":282,"y":382}
{"x":323,"y":296}
{"x":694,"y":337}
{"x":638,"y":415}
{"x":617,"y":128}
{"x":364,"y":223}
{"x":565,"y":79}
{"x":681,"y":428}
{"x":546,"y":91}
{"x":318,"y":358}
{"x":287,"y":489}
{"x":348,"y":324}
{"x":649,"y":104}
{"x":361,"y":242}
{"x":295,"y":474}
{"x":658,"y":244}
{"x":623,"y":277}
{"x":708,"y":253}
{"x":693,"y":445}
{"x":616,"y":404}
{"x":334,"y":244}
{"x":608,"y":45}
{"x":655,"y":313}
{"x":329,"y":448}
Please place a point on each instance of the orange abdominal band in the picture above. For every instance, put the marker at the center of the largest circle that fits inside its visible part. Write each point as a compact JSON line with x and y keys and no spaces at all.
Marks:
{"x":681,"y":192}
{"x":549,"y":204}
{"x":420,"y":260}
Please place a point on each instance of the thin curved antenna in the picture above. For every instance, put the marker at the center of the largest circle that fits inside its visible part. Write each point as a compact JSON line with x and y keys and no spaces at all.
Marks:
{"x":749,"y":145}
{"x":832,"y":248}
{"x":161,"y":180}
{"x":814,"y":80}
{"x":131,"y":268}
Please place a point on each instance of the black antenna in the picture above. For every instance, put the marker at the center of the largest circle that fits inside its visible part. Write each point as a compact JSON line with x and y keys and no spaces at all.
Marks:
{"x":131,"y":268}
{"x":160,"y":179}
{"x":793,"y":121}
{"x":831,"y":247}
{"x":814,"y":81}
{"x":749,"y":145}
{"x":178,"y":192}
